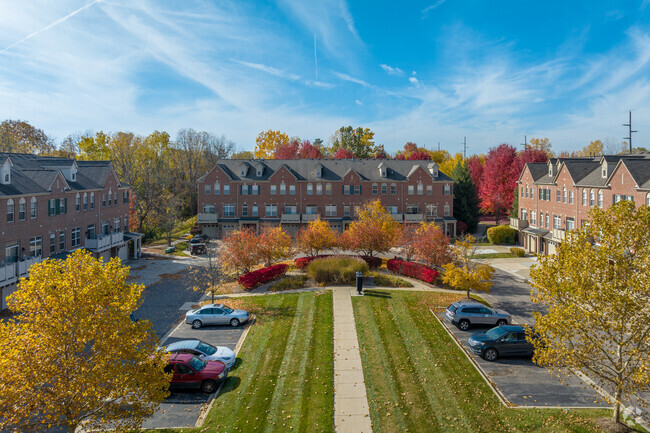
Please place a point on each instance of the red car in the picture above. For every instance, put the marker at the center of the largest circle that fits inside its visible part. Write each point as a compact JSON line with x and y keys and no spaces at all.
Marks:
{"x":192,"y":372}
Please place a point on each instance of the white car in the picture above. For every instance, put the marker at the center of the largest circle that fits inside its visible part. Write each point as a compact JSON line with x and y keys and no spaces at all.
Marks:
{"x":204,"y":351}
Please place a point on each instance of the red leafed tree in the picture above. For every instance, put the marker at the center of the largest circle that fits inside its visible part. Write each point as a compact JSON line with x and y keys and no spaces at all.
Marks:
{"x":400,"y":156}
{"x":530,"y":155}
{"x":499,"y":180}
{"x":240,"y":253}
{"x":406,"y":237}
{"x":308,"y":150}
{"x":287,"y":150}
{"x":419,"y":155}
{"x":475,"y":167}
{"x":343,"y":154}
{"x":431,"y":246}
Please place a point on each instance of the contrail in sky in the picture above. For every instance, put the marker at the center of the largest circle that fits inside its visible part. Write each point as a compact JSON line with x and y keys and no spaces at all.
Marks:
{"x":315,"y":58}
{"x":49,"y":26}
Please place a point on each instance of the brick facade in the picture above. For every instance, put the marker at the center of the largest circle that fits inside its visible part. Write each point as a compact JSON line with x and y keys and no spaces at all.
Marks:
{"x":292,"y":192}
{"x":556,"y":196}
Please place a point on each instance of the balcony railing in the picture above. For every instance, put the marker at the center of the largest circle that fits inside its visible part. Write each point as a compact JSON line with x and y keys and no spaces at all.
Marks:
{"x":11,"y":272}
{"x":413,"y":217}
{"x":290,"y":218}
{"x":103,"y":242}
{"x":558,"y":234}
{"x":207,"y":218}
{"x":397,"y":217}
{"x":518,"y":224}
{"x":306,"y":217}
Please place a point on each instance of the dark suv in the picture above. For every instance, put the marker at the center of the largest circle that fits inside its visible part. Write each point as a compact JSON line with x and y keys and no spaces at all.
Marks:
{"x":467,"y":313}
{"x":192,"y":372}
{"x":502,"y":341}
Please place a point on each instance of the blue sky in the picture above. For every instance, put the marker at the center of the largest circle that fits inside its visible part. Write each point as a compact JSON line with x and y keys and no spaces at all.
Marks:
{"x":423,"y":71}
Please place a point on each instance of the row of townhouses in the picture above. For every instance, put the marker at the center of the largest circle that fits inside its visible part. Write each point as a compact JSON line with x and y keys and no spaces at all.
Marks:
{"x":556,"y":196}
{"x":238,"y":194}
{"x":53,"y":206}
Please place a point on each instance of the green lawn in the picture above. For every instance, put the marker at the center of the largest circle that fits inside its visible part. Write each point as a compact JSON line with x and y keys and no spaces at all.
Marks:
{"x":494,"y":256}
{"x":285,"y":379}
{"x":418,"y":380}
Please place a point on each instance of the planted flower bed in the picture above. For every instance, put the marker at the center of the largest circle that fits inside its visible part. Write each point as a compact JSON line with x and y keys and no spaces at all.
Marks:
{"x":414,"y":270}
{"x":372,"y":262}
{"x":261,"y":276}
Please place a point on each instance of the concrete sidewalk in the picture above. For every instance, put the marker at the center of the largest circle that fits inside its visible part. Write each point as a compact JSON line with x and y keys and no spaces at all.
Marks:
{"x":351,"y":412}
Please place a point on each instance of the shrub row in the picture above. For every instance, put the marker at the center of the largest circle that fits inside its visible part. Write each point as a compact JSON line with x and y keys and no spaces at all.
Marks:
{"x":372,"y":262}
{"x":412,"y":269}
{"x":519,"y":252}
{"x":501,"y":235}
{"x":336,"y":270}
{"x":261,"y":276}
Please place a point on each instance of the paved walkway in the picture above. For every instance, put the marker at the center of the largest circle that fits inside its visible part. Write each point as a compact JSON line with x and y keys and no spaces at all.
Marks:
{"x":351,"y":413}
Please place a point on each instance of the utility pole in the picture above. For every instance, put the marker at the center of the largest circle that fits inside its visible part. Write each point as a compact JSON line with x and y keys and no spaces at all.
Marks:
{"x":464,"y":147}
{"x":525,"y":143}
{"x":629,"y":134}
{"x":438,"y":146}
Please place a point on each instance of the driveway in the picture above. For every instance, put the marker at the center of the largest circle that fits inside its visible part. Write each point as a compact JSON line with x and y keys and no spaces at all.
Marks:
{"x":182,"y":409}
{"x":513,"y":295}
{"x":524,"y":383}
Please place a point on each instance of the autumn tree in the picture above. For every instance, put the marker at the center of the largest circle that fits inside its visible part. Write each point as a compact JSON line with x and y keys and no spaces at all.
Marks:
{"x":242,"y":154}
{"x":72,"y":357}
{"x":343,"y":154}
{"x":239,"y":252}
{"x":274,"y":244}
{"x":316,"y":237}
{"x":598,"y":320}
{"x":288,"y":150}
{"x":466,"y":202}
{"x":20,"y":137}
{"x":405,"y":240}
{"x":595,"y":148}
{"x":448,"y":165}
{"x":372,"y":232}
{"x":466,"y":272}
{"x":543,"y":144}
{"x":95,"y":148}
{"x":499,"y":180}
{"x":267,"y":141}
{"x":308,"y":150}
{"x":431,"y":246}
{"x":358,"y":141}
{"x":209,"y":275}
{"x":475,"y":165}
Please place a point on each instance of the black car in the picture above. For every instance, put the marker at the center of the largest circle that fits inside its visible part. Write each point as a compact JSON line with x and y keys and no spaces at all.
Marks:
{"x":502,"y":341}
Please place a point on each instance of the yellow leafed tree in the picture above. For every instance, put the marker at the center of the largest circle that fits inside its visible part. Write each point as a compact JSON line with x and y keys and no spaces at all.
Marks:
{"x":541,"y":144}
{"x":374,"y":230}
{"x":598,"y":320}
{"x":468,"y":273}
{"x":316,"y":237}
{"x":71,"y":356}
{"x":267,"y":141}
{"x":594,"y":148}
{"x":448,"y":165}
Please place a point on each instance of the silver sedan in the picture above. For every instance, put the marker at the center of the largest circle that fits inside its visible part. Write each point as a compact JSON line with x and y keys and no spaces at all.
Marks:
{"x":215,"y":314}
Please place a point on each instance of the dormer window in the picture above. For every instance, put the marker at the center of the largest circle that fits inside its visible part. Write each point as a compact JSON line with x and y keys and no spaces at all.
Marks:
{"x":382,"y":170}
{"x":7,"y":178}
{"x":243,"y":170}
{"x":260,"y":169}
{"x":550,"y":170}
{"x":319,"y":171}
{"x":604,"y":171}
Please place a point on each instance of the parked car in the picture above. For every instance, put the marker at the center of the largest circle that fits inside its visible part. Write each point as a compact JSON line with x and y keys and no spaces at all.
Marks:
{"x":501,"y":342}
{"x":467,"y":313}
{"x":203,"y":350}
{"x":215,"y":314}
{"x":192,"y":372}
{"x":198,"y":245}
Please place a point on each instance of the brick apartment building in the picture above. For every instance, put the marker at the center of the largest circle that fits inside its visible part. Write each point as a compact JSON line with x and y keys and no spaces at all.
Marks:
{"x":51,"y":206}
{"x":556,"y":196}
{"x":238,"y":194}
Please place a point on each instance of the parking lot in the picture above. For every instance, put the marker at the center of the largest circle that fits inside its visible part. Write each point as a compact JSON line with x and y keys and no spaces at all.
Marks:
{"x":182,"y":409}
{"x":523,"y":383}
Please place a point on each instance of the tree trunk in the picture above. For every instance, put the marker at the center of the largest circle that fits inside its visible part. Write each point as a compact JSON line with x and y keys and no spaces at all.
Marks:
{"x":617,"y":408}
{"x":72,"y":428}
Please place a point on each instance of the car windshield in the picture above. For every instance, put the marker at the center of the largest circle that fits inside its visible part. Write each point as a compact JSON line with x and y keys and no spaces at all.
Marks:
{"x":206,"y":348}
{"x":496,"y":333}
{"x":197,"y":364}
{"x":227,"y":310}
{"x":452,"y":308}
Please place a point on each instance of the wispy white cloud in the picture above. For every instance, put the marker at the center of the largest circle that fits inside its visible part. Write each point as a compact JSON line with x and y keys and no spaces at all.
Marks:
{"x":414,"y":81}
{"x":431,"y":7}
{"x":351,"y":79}
{"x":356,"y":101}
{"x":390,"y":70}
{"x":270,"y":70}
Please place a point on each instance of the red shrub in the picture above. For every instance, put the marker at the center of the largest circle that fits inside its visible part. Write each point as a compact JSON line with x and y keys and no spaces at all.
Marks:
{"x":413,"y":270}
{"x":255,"y":278}
{"x":373,"y":262}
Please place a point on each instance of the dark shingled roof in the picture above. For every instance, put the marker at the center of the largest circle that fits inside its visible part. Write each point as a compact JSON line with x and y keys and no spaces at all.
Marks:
{"x":332,"y":169}
{"x":33,"y":174}
{"x":640,"y":171}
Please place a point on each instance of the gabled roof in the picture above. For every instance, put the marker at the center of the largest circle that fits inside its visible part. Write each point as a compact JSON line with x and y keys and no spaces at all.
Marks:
{"x":332,"y":169}
{"x":639,"y":170}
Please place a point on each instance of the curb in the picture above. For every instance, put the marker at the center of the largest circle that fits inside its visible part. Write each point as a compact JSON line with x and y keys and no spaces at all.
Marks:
{"x":208,"y":408}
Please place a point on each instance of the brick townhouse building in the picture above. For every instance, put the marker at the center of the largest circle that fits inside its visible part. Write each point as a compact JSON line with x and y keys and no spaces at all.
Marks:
{"x":238,"y":194}
{"x":556,"y":196}
{"x":51,"y":206}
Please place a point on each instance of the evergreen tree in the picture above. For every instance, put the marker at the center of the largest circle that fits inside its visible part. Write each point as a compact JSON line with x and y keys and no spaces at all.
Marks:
{"x":514,"y":210}
{"x":466,"y":202}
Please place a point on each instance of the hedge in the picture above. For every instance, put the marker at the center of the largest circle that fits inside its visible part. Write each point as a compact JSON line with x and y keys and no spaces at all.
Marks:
{"x":261,"y":276}
{"x":519,"y":252}
{"x":501,"y":235}
{"x":336,"y":269}
{"x":414,"y":270}
{"x":372,"y":262}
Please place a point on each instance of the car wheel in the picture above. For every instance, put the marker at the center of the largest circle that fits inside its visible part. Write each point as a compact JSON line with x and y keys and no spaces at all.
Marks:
{"x":234,"y":322}
{"x":463,"y":325}
{"x":490,"y":355}
{"x":208,"y":386}
{"x":502,"y":322}
{"x":197,"y":324}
